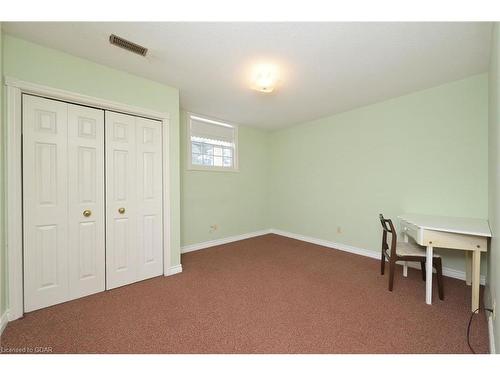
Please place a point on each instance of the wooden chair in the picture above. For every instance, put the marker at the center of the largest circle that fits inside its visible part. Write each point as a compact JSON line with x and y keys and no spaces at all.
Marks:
{"x":405,"y":251}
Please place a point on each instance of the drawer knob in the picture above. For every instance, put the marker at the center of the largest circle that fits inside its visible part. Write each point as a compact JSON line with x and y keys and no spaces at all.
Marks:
{"x":121,"y":210}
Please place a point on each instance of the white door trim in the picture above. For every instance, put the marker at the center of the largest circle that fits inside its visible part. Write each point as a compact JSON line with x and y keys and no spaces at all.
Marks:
{"x":14,"y":89}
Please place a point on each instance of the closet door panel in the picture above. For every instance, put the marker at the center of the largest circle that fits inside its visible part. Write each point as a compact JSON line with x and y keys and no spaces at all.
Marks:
{"x":86,"y":200}
{"x":45,"y":188}
{"x":121,"y":213}
{"x":149,"y":196}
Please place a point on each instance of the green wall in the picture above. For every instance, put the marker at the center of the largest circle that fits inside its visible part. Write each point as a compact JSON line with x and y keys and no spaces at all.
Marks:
{"x":493,"y":281}
{"x":235,"y":201}
{"x":425,"y":153}
{"x":31,"y":62}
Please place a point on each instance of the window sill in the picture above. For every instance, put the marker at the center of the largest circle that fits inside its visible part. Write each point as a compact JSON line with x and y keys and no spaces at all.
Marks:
{"x":199,"y":168}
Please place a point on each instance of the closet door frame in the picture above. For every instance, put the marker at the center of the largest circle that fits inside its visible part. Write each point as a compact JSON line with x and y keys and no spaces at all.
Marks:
{"x":14,"y":89}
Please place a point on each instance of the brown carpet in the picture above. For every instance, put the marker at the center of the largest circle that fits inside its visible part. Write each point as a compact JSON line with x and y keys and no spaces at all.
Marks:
{"x":268,"y":294}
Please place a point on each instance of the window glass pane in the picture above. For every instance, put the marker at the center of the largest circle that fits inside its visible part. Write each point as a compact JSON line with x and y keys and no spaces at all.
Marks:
{"x":196,"y":147}
{"x":213,"y":143}
{"x":197,"y":159}
{"x":218,"y":161}
{"x":208,"y":160}
{"x":208,"y":149}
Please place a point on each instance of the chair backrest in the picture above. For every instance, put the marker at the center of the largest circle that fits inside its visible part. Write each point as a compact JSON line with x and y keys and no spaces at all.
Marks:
{"x":388,"y":227}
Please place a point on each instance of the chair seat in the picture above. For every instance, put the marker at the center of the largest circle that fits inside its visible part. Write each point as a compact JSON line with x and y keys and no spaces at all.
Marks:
{"x":411,"y":249}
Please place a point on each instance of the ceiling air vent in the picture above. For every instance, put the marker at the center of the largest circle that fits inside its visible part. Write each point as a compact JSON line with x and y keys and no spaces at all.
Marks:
{"x":129,"y":46}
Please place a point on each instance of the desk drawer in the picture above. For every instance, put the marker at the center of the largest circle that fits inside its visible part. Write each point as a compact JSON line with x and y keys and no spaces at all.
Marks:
{"x":410,"y":230}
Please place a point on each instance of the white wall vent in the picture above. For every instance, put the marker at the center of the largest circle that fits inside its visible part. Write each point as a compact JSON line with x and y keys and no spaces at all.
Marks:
{"x":129,"y":46}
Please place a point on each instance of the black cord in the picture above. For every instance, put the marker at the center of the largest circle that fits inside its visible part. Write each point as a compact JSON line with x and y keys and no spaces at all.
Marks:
{"x":468,"y":326}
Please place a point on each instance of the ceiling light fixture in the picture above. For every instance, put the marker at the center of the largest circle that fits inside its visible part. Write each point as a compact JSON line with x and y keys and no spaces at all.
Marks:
{"x":265,"y":77}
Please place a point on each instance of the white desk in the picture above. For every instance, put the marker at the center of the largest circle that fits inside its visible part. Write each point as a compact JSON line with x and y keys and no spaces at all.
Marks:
{"x":466,"y":234}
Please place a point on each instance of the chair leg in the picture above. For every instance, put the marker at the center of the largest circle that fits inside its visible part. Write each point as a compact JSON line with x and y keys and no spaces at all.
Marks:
{"x":382,"y":263}
{"x":439,"y":270}
{"x":392,"y":266}
{"x":422,"y":266}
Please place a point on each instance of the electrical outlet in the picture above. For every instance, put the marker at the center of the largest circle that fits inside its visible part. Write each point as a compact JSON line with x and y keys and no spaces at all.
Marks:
{"x":339,"y":230}
{"x":213,"y":228}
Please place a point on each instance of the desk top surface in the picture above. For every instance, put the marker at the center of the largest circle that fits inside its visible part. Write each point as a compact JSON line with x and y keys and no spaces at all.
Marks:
{"x":462,"y":225}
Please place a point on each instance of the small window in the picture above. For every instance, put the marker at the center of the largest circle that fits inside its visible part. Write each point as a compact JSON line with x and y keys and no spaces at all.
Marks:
{"x":212,"y":144}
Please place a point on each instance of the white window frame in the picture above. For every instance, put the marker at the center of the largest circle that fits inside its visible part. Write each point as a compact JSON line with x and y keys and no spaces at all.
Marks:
{"x":196,"y":167}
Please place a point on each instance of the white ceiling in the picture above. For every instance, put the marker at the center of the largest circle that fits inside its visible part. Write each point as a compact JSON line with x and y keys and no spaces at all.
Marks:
{"x":326,"y":67}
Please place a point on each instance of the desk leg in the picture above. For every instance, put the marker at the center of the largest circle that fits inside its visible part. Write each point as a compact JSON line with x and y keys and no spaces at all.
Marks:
{"x":428,"y":275}
{"x":476,"y":278}
{"x":468,"y":267}
{"x":405,"y":264}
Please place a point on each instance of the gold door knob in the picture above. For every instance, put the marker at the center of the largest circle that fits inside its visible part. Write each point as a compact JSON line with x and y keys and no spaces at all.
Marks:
{"x":87,"y":213}
{"x":121,"y":210}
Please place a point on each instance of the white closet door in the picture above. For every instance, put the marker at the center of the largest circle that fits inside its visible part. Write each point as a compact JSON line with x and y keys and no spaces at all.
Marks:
{"x":121,"y":197}
{"x":80,"y":234}
{"x":149,"y":198}
{"x":86,"y":200}
{"x":45,"y":191}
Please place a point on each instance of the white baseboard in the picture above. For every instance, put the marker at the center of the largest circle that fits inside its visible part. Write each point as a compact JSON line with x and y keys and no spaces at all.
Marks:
{"x":174,"y":270}
{"x":450,"y":272}
{"x":4,"y":319}
{"x":457,"y":274}
{"x":333,"y":245}
{"x":222,"y":241}
{"x":491,"y":334}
